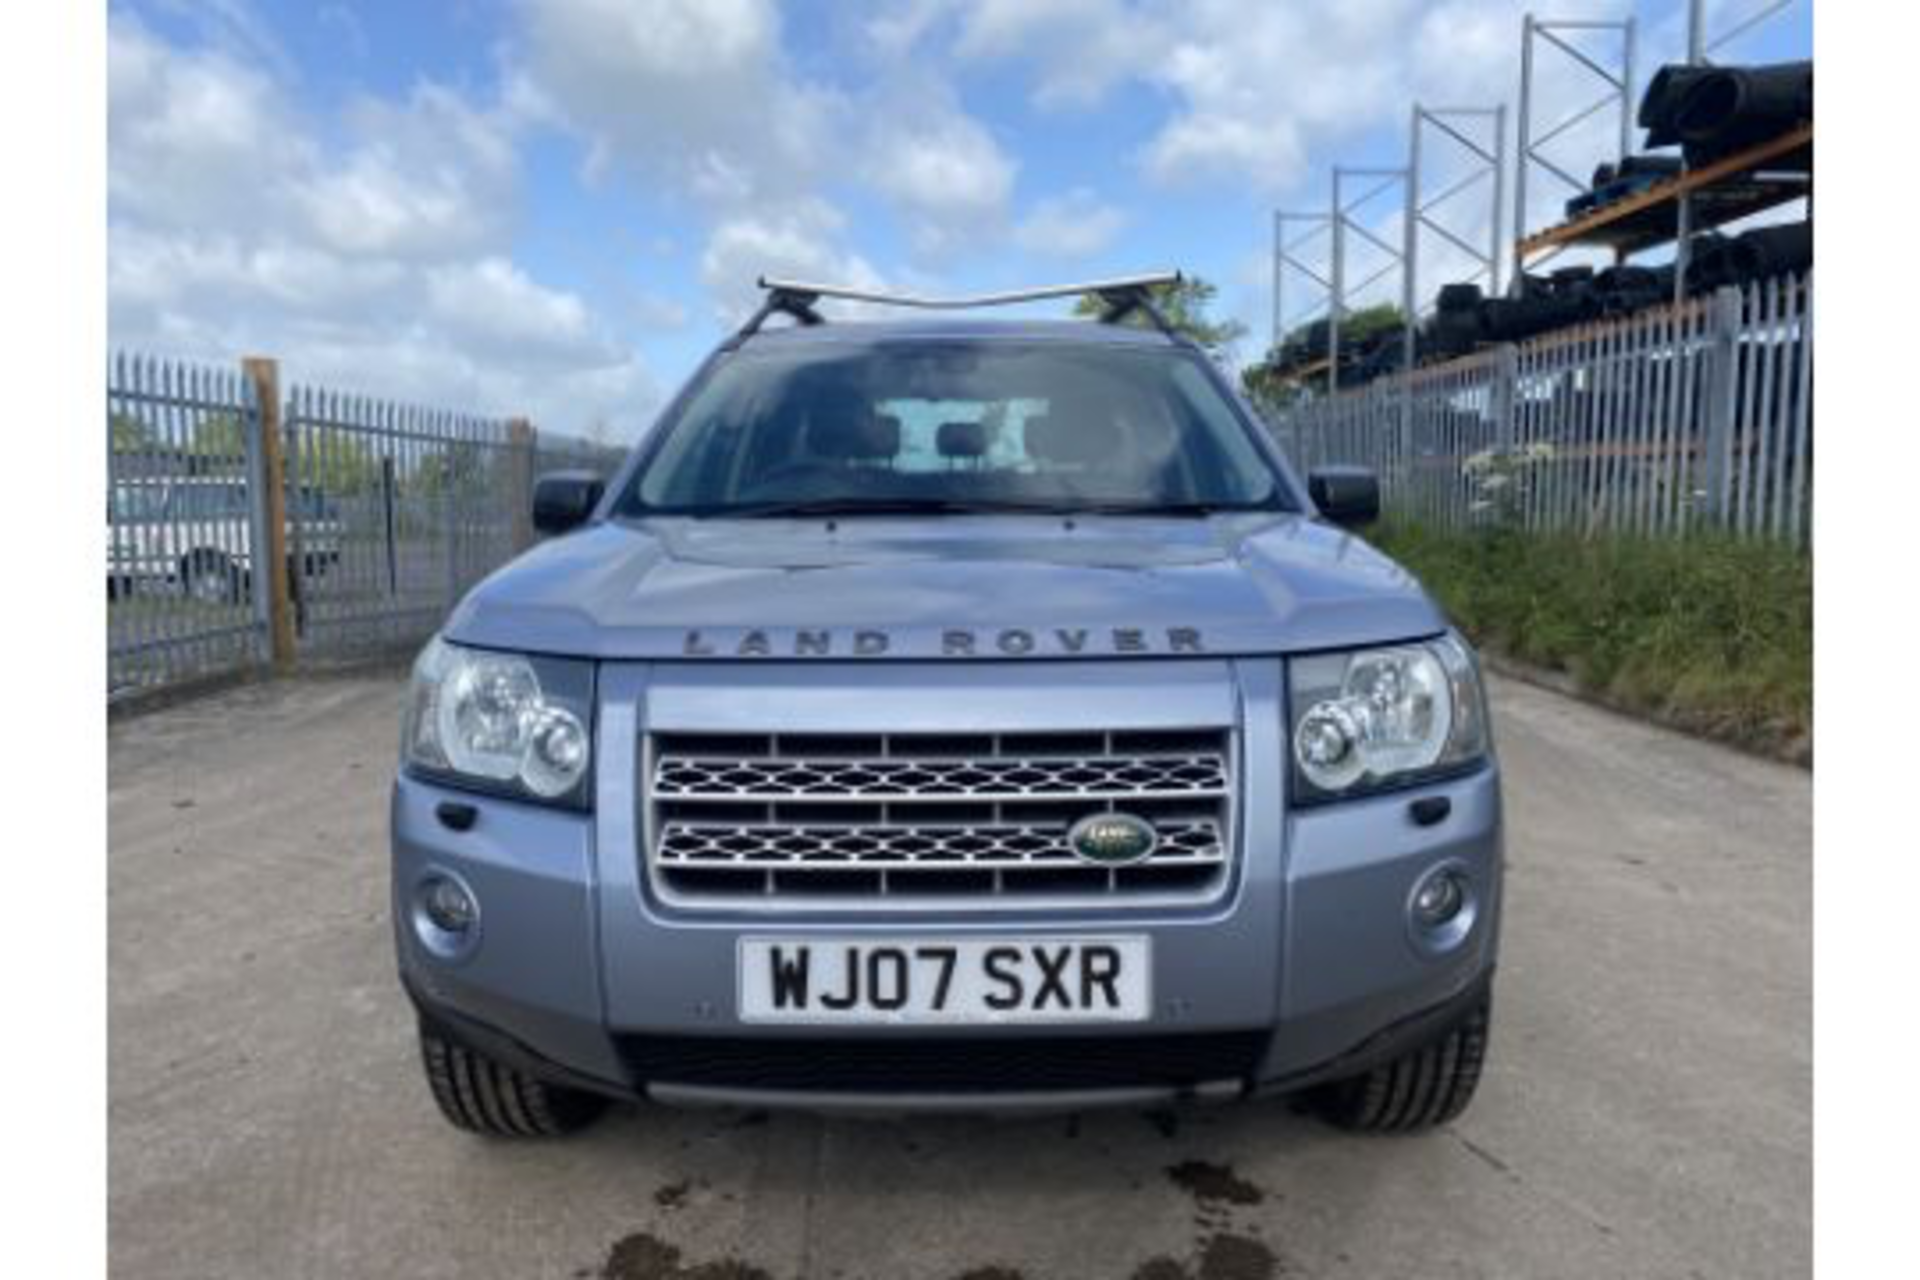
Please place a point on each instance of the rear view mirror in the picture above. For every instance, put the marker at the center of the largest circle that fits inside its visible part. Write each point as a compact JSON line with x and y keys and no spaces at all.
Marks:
{"x":1346,"y":496}
{"x":564,"y":500}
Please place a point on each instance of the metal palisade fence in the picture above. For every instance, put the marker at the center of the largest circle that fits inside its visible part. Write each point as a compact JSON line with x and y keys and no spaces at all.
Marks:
{"x":181,"y":467}
{"x":387,"y":514}
{"x":1673,"y":421}
{"x":395,"y":510}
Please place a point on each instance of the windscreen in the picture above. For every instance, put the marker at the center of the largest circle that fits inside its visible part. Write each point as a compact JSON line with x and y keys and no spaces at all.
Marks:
{"x":956,"y":425}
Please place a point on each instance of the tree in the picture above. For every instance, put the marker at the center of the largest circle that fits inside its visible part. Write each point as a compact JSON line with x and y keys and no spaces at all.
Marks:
{"x":1304,"y":344}
{"x":1263,"y":385}
{"x":334,"y":462}
{"x":1356,"y":328}
{"x":339,"y":464}
{"x":1184,"y":304}
{"x":131,"y":435}
{"x":219,"y":437}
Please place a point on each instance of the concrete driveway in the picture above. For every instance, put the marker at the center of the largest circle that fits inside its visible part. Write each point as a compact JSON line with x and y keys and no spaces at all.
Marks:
{"x":1647,"y":1110}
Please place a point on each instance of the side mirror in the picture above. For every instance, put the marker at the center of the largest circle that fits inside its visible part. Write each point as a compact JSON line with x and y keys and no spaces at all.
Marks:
{"x":1346,"y":496}
{"x":563,"y":500}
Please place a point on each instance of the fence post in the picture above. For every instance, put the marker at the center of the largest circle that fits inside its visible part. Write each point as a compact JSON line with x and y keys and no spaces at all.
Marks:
{"x":520,"y":444}
{"x":1506,"y":378}
{"x":270,"y":490}
{"x":449,"y":512}
{"x":1722,"y":395}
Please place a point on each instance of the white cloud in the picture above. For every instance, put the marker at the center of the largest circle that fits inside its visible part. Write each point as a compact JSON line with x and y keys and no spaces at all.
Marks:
{"x":1262,"y":91}
{"x":1255,"y":90}
{"x":893,"y":29}
{"x":496,"y":310}
{"x":431,"y":177}
{"x":695,"y":93}
{"x":190,"y":136}
{"x":1079,"y":48}
{"x":700,"y":101}
{"x":697,"y":100}
{"x":1258,"y":98}
{"x":798,"y":242}
{"x":940,"y":168}
{"x":376,"y":264}
{"x":1076,"y":225}
{"x":233,"y":27}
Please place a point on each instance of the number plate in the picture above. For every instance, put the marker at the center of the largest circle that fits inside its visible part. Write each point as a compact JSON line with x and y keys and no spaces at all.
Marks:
{"x":946,"y":980}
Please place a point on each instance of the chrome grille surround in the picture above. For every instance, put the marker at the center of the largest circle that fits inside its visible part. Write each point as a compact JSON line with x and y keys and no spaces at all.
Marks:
{"x":1016,"y":778}
{"x":884,"y":821}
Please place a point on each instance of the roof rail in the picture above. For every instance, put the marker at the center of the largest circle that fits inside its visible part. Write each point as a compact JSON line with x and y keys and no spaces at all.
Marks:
{"x":1122,"y":295}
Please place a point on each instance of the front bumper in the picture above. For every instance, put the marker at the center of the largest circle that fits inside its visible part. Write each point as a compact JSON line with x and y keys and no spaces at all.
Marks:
{"x":578,"y":974}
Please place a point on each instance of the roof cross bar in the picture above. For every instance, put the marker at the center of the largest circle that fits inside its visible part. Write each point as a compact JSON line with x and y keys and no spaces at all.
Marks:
{"x":1122,"y":296}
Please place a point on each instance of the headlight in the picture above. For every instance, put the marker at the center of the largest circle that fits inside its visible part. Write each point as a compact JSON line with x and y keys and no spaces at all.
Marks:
{"x":501,"y":721}
{"x":1383,"y":717}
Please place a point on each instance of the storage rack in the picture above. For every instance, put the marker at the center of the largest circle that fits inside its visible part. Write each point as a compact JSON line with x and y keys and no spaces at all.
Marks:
{"x":1761,"y":177}
{"x":1737,"y":186}
{"x":1673,"y":210}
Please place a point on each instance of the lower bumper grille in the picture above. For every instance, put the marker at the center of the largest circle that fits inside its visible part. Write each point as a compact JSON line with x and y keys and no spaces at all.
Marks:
{"x":946,"y":1064}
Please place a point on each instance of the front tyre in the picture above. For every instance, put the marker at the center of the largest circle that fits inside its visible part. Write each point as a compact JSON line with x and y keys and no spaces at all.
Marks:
{"x":482,"y":1096}
{"x":1425,"y":1087}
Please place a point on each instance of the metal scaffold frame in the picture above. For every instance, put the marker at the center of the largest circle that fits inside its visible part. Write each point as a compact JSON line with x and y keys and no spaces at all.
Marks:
{"x":1619,"y":93}
{"x":1286,"y":257}
{"x":1488,"y":164}
{"x":1343,"y":221}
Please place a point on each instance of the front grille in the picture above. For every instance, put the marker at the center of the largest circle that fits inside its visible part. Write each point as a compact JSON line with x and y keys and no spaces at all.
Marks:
{"x":931,"y":776}
{"x":945,"y":1064}
{"x":934,"y":817}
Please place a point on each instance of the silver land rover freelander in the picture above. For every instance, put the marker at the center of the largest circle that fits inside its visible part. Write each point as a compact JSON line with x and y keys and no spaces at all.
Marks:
{"x":949,"y":715}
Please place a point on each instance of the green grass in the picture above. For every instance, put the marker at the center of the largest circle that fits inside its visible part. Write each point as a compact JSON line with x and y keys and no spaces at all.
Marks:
{"x":1709,"y":633}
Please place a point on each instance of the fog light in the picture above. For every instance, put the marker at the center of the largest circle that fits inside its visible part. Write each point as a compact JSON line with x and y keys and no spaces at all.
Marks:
{"x":1439,"y":899}
{"x":448,"y":905}
{"x":1443,"y":909}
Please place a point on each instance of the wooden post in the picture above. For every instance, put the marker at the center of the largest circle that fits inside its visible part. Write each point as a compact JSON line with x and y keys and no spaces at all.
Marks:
{"x":264,"y":373}
{"x":520,"y":438}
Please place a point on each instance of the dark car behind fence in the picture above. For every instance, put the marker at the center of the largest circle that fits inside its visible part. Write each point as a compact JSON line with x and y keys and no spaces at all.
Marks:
{"x":388,"y":513}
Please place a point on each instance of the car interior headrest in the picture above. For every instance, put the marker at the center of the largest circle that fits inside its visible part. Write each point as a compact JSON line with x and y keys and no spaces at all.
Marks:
{"x":961,"y":439}
{"x":845,"y":426}
{"x":1075,"y":433}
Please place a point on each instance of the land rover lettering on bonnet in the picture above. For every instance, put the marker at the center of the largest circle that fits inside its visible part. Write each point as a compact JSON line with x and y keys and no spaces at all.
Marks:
{"x":949,"y":714}
{"x":1011,"y":642}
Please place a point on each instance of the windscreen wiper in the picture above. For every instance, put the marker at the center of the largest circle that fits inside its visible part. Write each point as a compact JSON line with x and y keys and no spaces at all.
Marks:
{"x":878,"y":506}
{"x":1168,"y":508}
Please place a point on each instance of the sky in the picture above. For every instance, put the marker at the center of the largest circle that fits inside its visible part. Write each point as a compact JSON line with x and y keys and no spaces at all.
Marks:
{"x":555,"y":208}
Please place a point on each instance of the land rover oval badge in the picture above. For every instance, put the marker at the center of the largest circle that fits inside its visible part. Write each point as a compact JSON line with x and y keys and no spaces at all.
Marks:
{"x":1112,"y":839}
